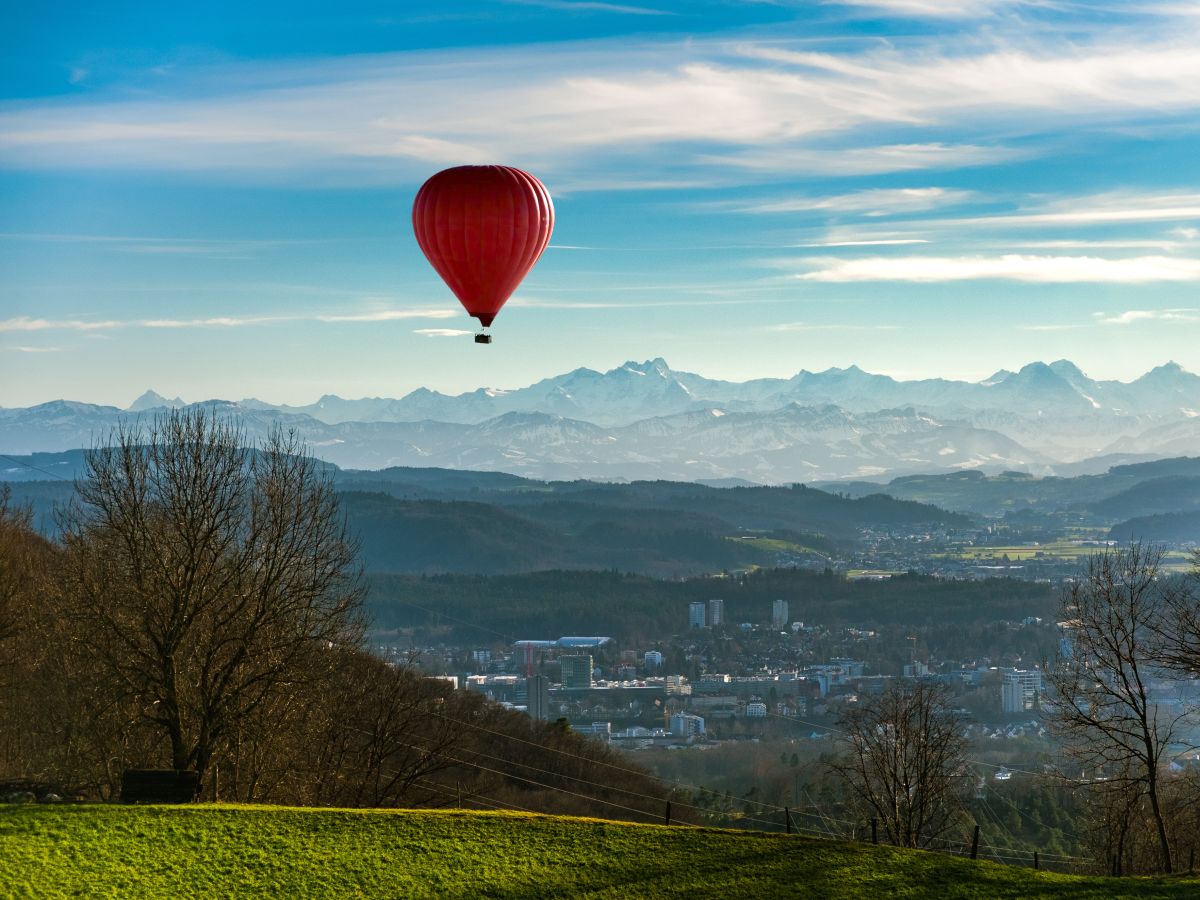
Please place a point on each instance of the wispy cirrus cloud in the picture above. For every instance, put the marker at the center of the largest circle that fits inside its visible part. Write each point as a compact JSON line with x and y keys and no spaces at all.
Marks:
{"x":1132,"y":316}
{"x":742,"y":108}
{"x":936,"y":9}
{"x":28,"y":323}
{"x":1010,"y":267}
{"x":871,"y":202}
{"x":144,"y":244}
{"x":1112,"y":208}
{"x":830,"y":326}
{"x":442,"y":332}
{"x":389,"y":315}
{"x":870,"y":242}
{"x":863,"y":160}
{"x":592,"y":6}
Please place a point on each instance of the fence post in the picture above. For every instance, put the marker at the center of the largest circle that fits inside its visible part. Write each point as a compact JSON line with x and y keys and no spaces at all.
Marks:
{"x":1036,"y":860}
{"x":668,"y":818}
{"x":874,"y":831}
{"x":975,"y":843}
{"x":216,"y":796}
{"x":787,"y":819}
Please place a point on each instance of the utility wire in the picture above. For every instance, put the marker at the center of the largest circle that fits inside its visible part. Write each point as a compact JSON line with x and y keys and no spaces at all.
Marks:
{"x":21,"y":462}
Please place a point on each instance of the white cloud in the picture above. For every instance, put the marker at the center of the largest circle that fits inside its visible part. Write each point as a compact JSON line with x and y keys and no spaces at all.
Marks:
{"x":442,"y":332}
{"x":934,"y":9}
{"x":592,"y":6}
{"x":1131,"y":316}
{"x":743,"y":108}
{"x":1097,"y":245}
{"x":210,"y":322}
{"x":813,"y":326}
{"x":1013,"y":267}
{"x":1063,"y":327}
{"x":1113,"y":208}
{"x":391,"y":315}
{"x":867,"y":160}
{"x":220,"y":247}
{"x":25,"y":323}
{"x":866,"y":243}
{"x":872,"y":202}
{"x":22,"y":349}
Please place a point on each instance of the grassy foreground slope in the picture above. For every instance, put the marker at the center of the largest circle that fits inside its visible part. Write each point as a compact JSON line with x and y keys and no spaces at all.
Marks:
{"x":211,"y":851}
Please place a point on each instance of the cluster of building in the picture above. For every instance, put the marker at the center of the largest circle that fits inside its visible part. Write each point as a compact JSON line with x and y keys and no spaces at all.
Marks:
{"x":712,"y":613}
{"x":669,"y":694}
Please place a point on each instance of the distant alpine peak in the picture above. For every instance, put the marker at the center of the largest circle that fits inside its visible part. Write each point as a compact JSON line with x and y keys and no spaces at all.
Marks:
{"x":153,"y":400}
{"x":1167,"y":368}
{"x":1035,"y":368}
{"x":658,"y":365}
{"x":1066,"y":368}
{"x":997,"y":377}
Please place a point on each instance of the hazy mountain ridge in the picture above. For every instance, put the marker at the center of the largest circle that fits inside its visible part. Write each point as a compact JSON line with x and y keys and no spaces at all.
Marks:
{"x":635,"y":391}
{"x":645,"y":420}
{"x":1121,"y":492}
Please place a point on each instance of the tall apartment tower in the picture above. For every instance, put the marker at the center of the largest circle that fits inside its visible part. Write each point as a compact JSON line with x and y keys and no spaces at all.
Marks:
{"x":1019,"y":690}
{"x":779,"y":613}
{"x":538,"y":701}
{"x":716,"y":612}
{"x":576,"y":671}
{"x":696,"y":614}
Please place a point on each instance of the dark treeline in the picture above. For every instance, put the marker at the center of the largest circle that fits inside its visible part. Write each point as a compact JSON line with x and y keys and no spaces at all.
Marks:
{"x":428,"y":536}
{"x":634,"y":607}
{"x":201,"y":610}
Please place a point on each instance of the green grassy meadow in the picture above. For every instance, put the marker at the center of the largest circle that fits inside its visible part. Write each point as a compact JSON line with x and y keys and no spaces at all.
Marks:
{"x":248,"y":851}
{"x":1065,"y":551}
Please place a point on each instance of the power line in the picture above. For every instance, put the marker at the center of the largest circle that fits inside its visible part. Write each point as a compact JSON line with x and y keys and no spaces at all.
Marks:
{"x":21,"y":462}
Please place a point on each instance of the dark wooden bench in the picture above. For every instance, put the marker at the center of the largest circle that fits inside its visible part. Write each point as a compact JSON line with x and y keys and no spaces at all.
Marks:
{"x":159,"y":786}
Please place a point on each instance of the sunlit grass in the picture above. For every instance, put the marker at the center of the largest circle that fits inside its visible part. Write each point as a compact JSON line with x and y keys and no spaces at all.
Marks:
{"x":243,"y":851}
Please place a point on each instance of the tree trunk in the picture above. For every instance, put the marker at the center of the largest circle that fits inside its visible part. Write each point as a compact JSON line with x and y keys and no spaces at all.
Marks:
{"x":1164,"y":843}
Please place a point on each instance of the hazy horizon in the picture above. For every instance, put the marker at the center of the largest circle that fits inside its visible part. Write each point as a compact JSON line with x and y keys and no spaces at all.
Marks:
{"x":170,"y":396}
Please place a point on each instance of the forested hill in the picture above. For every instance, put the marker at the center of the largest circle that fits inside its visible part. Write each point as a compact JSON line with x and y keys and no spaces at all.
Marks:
{"x":441,"y":520}
{"x":546,"y":605}
{"x":794,"y":506}
{"x":437,"y":521}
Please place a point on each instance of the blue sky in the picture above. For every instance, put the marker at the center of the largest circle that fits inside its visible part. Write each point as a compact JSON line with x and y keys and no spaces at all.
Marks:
{"x":215,"y":202}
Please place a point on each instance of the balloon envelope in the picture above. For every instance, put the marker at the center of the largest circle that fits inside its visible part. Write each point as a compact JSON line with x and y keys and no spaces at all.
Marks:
{"x":482,"y":228}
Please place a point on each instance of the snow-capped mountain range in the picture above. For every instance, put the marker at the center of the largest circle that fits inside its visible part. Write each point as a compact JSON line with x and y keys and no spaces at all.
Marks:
{"x":646,"y":420}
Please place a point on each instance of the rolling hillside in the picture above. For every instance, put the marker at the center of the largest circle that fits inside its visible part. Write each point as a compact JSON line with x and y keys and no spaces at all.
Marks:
{"x":212,"y":851}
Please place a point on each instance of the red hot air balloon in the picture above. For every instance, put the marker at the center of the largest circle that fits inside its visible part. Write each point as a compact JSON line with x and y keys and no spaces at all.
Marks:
{"x":482,"y":228}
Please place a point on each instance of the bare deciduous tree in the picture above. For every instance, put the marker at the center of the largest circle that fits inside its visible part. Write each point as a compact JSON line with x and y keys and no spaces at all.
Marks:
{"x":205,"y":574}
{"x":1102,"y":704}
{"x":906,"y":762}
{"x":22,"y":551}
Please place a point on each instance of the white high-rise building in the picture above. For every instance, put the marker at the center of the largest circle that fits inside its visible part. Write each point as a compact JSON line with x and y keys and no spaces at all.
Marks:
{"x":653,"y":659}
{"x":696,"y":614}
{"x":716,"y":612}
{"x":1019,"y":690}
{"x":779,"y":613}
{"x":686,"y":725}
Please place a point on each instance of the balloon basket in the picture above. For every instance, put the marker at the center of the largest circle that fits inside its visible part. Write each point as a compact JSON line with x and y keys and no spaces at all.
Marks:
{"x":483,"y":338}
